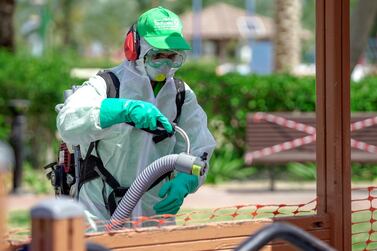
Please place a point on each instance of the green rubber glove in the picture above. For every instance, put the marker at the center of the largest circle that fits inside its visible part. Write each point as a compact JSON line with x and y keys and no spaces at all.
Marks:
{"x":175,"y":191}
{"x":143,"y":114}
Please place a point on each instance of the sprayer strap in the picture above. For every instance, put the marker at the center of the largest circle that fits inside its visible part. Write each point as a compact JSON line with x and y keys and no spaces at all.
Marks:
{"x":112,"y":83}
{"x":113,"y":199}
{"x":93,"y":163}
{"x":180,"y":97}
{"x":119,"y":192}
{"x":93,"y":168}
{"x":103,"y":173}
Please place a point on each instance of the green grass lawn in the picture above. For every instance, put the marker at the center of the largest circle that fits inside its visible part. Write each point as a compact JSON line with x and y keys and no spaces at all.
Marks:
{"x":362,"y":224}
{"x":19,"y":219}
{"x":228,"y":214}
{"x":19,"y":222}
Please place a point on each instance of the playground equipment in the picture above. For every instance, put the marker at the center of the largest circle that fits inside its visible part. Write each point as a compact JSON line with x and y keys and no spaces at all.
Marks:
{"x":332,"y":223}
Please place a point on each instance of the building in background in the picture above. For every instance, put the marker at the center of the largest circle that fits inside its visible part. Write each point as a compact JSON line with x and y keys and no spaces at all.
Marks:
{"x":225,"y":33}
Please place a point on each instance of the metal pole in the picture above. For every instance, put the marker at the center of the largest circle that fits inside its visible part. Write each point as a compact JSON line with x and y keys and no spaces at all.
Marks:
{"x":77,"y":154}
{"x":196,"y":37}
{"x":250,"y":9}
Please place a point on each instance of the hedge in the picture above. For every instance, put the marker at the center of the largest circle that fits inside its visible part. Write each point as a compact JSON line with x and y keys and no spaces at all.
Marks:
{"x":41,"y":81}
{"x":226,"y":99}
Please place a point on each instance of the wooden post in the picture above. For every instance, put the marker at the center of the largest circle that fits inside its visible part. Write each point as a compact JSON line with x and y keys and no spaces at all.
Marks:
{"x":57,"y":225}
{"x":333,"y":118}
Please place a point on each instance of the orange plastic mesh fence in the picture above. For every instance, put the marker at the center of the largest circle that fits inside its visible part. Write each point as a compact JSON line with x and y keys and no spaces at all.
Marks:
{"x":364,"y":226}
{"x":364,"y":218}
{"x":203,"y":216}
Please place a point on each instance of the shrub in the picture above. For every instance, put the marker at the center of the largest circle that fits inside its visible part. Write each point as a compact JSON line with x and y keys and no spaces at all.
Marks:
{"x":226,"y":165}
{"x":226,"y":99}
{"x":229,"y":98}
{"x":41,"y":81}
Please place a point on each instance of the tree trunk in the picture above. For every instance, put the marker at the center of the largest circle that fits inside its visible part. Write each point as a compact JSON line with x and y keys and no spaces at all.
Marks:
{"x":67,"y":6}
{"x":287,"y":35}
{"x":7,"y":8}
{"x":362,"y":20}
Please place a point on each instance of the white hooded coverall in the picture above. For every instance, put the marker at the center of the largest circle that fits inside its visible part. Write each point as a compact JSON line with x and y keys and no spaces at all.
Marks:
{"x":125,"y":150}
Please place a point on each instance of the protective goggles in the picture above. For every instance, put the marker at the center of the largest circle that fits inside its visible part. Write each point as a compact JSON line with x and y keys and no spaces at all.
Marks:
{"x":157,"y":58}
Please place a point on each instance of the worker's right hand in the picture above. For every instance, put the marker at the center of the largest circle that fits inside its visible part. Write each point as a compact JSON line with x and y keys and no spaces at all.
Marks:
{"x":142,"y":114}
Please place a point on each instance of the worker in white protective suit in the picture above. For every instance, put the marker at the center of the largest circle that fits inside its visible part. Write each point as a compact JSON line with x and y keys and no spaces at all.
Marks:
{"x":155,"y":49}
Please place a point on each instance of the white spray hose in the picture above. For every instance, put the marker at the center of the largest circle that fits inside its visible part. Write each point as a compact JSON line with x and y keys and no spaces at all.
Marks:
{"x":180,"y":162}
{"x":185,"y":137}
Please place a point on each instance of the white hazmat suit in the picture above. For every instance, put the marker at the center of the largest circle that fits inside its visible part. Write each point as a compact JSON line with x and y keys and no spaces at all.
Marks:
{"x":125,"y":150}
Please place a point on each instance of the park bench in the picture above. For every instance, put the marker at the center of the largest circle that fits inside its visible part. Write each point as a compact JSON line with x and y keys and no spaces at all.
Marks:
{"x":268,"y":134}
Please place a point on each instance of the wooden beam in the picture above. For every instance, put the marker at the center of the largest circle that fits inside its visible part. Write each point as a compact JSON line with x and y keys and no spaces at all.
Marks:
{"x":320,"y":106}
{"x":224,"y":235}
{"x":333,"y":118}
{"x":217,"y":244}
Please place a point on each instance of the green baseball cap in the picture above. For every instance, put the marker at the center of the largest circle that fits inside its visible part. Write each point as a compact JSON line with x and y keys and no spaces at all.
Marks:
{"x":162,"y":29}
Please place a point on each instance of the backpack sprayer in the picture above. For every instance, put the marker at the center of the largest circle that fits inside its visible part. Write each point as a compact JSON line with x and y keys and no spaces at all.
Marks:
{"x":65,"y":174}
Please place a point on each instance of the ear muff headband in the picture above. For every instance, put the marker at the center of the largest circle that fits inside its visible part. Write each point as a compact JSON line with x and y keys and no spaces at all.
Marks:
{"x":132,"y":44}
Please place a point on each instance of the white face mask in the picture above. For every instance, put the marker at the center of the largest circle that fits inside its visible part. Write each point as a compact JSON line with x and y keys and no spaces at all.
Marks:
{"x":157,"y":74}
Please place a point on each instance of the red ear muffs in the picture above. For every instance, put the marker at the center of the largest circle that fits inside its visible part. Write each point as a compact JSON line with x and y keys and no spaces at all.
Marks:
{"x":132,"y":44}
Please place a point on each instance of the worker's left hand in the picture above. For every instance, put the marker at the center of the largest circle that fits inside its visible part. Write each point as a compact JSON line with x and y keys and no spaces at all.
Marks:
{"x":174,"y":192}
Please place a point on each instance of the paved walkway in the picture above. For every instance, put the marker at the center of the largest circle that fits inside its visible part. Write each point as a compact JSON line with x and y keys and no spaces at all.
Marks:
{"x":209,"y":197}
{"x":214,"y":196}
{"x":24,"y":202}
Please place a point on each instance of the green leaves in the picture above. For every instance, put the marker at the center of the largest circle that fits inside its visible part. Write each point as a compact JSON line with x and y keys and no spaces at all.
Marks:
{"x":230,"y":97}
{"x":226,"y":99}
{"x":302,"y":172}
{"x":41,"y":81}
{"x":227,"y":165}
{"x":364,"y":95}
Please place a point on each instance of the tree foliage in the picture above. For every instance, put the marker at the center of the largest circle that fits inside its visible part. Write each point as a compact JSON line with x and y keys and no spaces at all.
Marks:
{"x":76,"y":24}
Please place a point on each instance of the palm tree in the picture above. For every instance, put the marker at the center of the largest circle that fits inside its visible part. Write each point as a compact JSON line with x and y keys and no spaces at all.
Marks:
{"x":7,"y":8}
{"x":287,"y":34}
